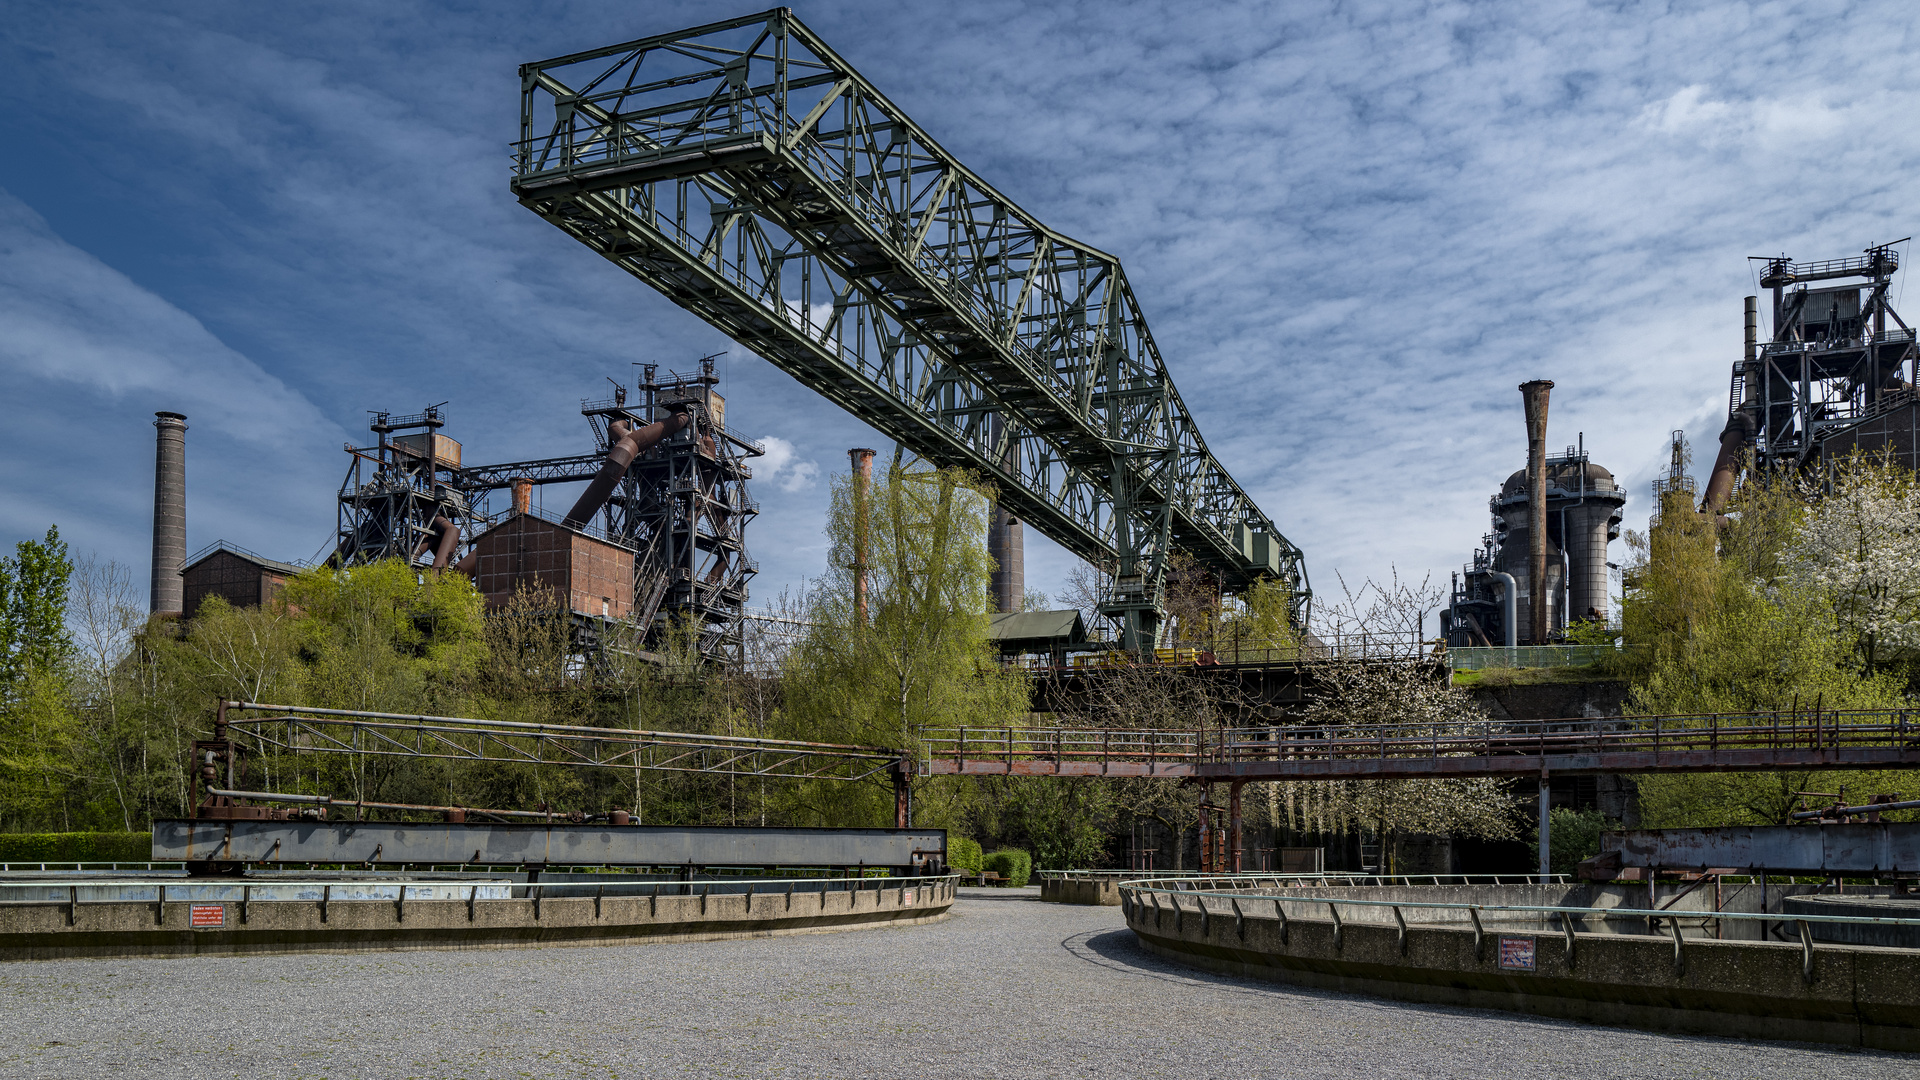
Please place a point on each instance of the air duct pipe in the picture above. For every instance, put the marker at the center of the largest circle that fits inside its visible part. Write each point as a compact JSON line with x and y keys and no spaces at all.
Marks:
{"x":1534,"y":394}
{"x":1510,"y":601}
{"x":1741,"y":424}
{"x":627,"y":445}
{"x":169,"y":514}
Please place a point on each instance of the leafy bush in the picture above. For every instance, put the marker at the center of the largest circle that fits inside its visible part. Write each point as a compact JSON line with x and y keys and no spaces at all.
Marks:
{"x":964,"y":853}
{"x":1575,"y":836}
{"x":1013,"y":865}
{"x":76,"y":847}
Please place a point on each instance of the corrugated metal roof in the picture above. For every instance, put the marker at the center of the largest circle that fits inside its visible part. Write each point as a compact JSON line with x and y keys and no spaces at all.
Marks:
{"x":1047,"y":628}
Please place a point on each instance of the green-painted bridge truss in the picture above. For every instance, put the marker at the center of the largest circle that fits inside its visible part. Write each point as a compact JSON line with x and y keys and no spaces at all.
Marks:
{"x":750,"y":174}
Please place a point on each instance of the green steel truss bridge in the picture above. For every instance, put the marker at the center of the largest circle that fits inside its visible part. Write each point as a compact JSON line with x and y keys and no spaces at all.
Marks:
{"x":750,"y":174}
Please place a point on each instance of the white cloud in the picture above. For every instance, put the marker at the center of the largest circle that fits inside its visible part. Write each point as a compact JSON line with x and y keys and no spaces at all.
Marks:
{"x":783,"y":466}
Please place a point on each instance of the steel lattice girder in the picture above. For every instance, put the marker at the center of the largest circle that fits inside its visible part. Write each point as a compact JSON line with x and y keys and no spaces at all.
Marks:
{"x":750,"y":174}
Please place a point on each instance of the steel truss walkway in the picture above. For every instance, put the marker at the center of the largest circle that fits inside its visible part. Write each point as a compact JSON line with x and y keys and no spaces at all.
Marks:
{"x":750,"y":174}
{"x":1707,"y":743}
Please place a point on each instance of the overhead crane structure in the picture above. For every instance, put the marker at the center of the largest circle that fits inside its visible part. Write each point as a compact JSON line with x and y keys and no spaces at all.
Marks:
{"x":746,"y":171}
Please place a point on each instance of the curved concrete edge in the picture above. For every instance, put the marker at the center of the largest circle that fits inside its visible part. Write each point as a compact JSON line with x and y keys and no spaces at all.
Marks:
{"x":126,"y":930}
{"x":1859,"y":997}
{"x":1092,"y":892}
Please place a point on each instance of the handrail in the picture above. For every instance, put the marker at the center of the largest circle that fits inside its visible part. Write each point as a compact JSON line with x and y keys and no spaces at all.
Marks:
{"x":1583,"y":912}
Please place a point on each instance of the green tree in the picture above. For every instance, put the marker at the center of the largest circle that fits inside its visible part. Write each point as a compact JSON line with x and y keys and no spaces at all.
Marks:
{"x":921,"y":657}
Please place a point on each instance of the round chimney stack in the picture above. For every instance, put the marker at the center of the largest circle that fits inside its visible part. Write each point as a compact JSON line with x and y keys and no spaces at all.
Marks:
{"x":169,"y":514}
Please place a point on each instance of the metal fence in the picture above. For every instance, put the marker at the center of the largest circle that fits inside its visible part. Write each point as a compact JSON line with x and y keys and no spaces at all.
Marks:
{"x":1539,"y":656}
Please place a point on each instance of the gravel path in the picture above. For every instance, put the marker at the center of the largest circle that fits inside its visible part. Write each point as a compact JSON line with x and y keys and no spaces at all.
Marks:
{"x":1009,"y":987}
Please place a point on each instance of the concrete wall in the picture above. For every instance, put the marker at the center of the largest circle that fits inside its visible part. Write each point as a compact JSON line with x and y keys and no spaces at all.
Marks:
{"x":52,"y":931}
{"x":1857,"y":996}
{"x":1093,"y":891}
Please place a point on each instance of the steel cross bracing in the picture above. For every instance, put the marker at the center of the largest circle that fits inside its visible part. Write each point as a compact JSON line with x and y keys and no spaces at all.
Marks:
{"x":1706,"y":743}
{"x":297,"y":729}
{"x":750,"y":174}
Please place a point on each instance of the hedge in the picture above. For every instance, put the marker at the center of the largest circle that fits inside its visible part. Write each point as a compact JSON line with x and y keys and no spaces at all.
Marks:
{"x":964,"y":853}
{"x":1013,"y":865}
{"x":76,"y":847}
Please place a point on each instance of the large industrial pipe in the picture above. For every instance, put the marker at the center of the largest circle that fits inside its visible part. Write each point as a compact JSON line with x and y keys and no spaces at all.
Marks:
{"x":1534,"y":394}
{"x":443,"y":536}
{"x":1742,"y":423}
{"x":862,"y":461}
{"x":1511,"y":602}
{"x":522,"y":487}
{"x":169,"y":514}
{"x":619,"y":457}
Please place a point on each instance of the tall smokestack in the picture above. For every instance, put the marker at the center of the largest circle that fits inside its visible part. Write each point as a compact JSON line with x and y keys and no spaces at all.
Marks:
{"x":1534,"y":394}
{"x":862,"y":459}
{"x":522,"y":487}
{"x":169,"y":514}
{"x":1007,"y":546}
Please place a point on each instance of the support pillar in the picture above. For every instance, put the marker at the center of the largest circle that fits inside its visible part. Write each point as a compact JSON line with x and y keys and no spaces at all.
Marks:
{"x":1233,"y":801}
{"x":1205,"y":853}
{"x":903,"y":794}
{"x":1546,"y":802}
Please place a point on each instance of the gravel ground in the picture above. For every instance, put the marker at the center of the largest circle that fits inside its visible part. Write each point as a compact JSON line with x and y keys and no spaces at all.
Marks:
{"x":1008,"y":987}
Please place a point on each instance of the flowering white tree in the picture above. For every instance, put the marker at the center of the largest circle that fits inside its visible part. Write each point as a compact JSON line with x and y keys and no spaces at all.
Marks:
{"x":1859,"y":544}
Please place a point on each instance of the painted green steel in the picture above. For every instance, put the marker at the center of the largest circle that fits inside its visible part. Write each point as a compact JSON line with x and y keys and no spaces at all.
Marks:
{"x":750,"y":174}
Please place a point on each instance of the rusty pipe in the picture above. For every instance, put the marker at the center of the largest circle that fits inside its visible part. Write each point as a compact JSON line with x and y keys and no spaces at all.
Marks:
{"x":618,"y":459}
{"x":449,"y":539}
{"x":522,"y":487}
{"x":1726,"y":465}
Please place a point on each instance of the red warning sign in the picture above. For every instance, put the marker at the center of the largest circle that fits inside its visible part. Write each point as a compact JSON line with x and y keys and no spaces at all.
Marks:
{"x":200,"y":915}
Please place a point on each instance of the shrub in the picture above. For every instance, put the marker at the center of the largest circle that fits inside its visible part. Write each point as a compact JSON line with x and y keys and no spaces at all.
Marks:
{"x":76,"y":847}
{"x":1575,"y":835}
{"x":1013,"y":865}
{"x":964,"y":853}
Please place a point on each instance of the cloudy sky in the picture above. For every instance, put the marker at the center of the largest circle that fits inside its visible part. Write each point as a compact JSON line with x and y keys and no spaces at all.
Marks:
{"x":1355,"y":227}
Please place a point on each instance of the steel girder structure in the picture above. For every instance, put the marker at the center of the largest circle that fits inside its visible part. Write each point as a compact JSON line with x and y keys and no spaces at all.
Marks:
{"x":392,"y":514}
{"x":750,"y":174}
{"x":1833,"y":361}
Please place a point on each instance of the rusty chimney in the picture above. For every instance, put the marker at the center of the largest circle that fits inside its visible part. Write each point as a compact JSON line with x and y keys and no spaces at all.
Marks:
{"x":1534,"y":394}
{"x":862,"y":459}
{"x":1008,"y":549}
{"x":522,"y":487}
{"x":169,"y":514}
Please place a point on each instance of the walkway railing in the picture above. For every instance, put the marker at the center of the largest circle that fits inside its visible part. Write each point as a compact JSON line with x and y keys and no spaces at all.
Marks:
{"x":1241,"y":903}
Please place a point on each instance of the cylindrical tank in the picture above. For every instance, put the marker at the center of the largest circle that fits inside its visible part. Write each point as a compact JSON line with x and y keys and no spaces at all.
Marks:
{"x":1592,"y":519}
{"x":1007,"y":546}
{"x":169,"y":514}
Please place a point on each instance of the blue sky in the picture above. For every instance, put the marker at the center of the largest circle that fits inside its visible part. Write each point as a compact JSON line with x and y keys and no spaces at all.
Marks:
{"x":1354,"y":228}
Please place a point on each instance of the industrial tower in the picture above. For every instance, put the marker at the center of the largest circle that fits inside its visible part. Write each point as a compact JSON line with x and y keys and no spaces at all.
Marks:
{"x":657,"y":542}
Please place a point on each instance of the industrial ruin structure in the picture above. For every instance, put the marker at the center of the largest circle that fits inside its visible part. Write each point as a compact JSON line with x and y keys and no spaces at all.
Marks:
{"x":656,"y":543}
{"x":1835,"y":374}
{"x":1564,"y":546}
